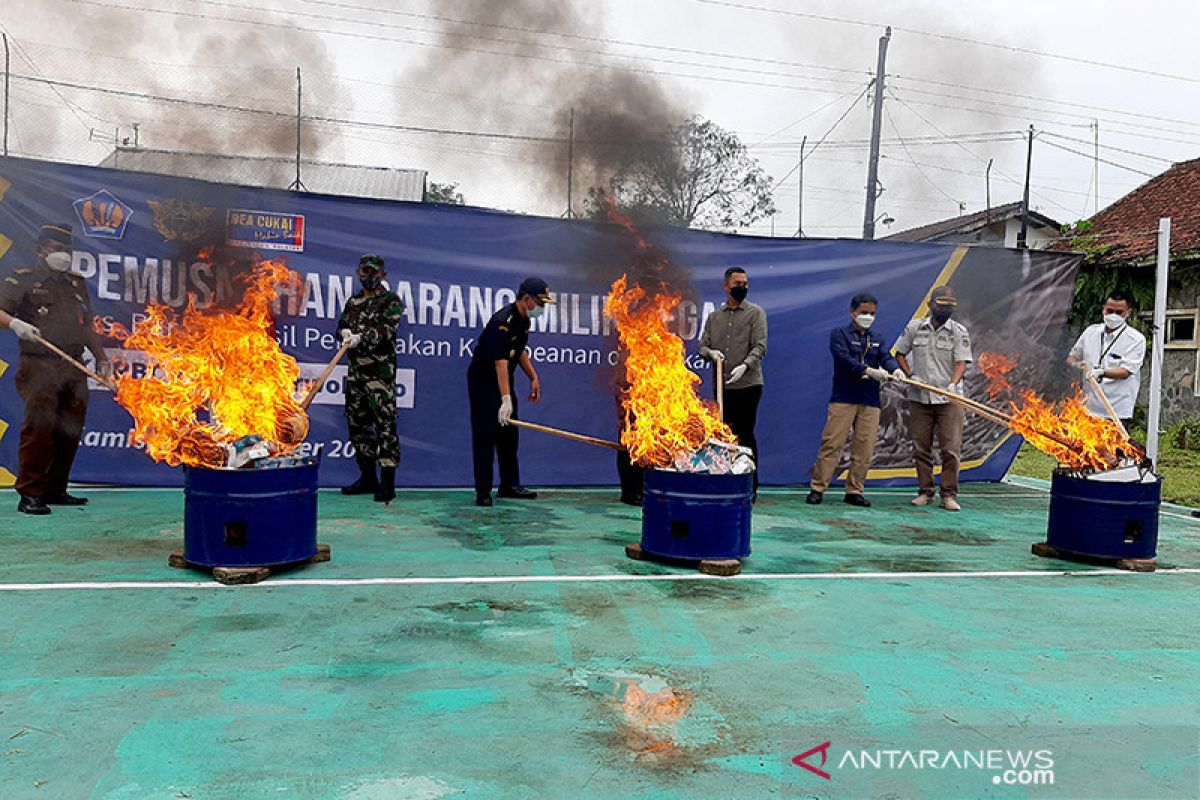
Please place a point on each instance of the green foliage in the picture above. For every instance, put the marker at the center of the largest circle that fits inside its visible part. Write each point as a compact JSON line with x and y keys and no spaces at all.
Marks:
{"x":1095,"y":283}
{"x":1081,"y":239}
{"x":444,"y":193}
{"x":699,"y":175}
{"x":1185,"y":435}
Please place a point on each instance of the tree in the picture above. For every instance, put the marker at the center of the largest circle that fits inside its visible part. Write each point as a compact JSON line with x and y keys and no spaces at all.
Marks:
{"x":445,"y":193}
{"x":699,"y":175}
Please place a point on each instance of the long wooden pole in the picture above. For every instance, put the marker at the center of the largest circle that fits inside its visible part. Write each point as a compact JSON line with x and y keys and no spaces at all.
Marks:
{"x":1112,"y":412}
{"x":575,"y":437}
{"x":315,"y":389}
{"x":720,"y":363}
{"x":79,"y":365}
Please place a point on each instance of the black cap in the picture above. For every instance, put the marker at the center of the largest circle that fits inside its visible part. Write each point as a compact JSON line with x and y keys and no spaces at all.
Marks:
{"x":535,"y":287}
{"x":371,"y":260}
{"x":60,"y":232}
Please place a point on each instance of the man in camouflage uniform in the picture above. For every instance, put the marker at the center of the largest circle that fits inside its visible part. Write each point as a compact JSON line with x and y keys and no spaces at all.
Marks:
{"x":50,"y":302}
{"x":369,"y":324}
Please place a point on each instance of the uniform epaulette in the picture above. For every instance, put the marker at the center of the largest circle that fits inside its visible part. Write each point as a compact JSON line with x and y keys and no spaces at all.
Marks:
{"x":503,"y":327}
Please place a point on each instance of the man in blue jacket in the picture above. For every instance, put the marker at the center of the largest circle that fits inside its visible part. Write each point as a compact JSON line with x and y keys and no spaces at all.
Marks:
{"x":861,"y":363}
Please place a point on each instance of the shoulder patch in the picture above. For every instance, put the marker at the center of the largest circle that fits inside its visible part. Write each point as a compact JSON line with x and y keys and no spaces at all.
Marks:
{"x":22,"y":271}
{"x":503,"y":327}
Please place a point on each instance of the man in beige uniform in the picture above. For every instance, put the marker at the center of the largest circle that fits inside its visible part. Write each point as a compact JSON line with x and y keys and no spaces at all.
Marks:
{"x":935,"y":350}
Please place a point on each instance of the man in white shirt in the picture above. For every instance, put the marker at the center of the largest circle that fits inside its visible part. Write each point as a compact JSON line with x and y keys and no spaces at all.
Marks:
{"x":1112,"y":351}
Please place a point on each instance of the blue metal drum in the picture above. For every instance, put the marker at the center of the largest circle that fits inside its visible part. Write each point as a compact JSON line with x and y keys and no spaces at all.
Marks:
{"x":250,"y":517}
{"x":1104,"y":519}
{"x":696,"y":516}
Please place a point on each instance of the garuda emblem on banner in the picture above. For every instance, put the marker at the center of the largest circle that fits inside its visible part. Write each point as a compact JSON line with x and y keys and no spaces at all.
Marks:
{"x":181,"y":220}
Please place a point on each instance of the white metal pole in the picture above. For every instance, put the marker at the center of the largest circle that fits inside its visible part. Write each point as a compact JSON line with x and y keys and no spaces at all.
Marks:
{"x":1160,"y":324}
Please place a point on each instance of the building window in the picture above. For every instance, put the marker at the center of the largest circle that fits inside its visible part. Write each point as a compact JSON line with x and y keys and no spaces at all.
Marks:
{"x":1181,"y":329}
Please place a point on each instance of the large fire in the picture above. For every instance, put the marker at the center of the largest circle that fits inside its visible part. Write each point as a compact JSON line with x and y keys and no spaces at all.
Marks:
{"x":218,"y":375}
{"x":663,"y":414}
{"x":1064,"y":429}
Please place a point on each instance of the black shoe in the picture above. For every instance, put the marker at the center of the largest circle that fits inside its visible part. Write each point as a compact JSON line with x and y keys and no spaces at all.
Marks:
{"x":64,"y":499}
{"x":385,"y":492}
{"x":814,"y":498}
{"x":632,"y":500}
{"x":367,"y":483}
{"x":483,"y":500}
{"x":856,"y":500}
{"x":516,"y":493}
{"x":33,"y":505}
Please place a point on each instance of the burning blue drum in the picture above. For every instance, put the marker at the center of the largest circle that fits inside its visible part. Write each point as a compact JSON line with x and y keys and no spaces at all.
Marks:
{"x":1104,"y":519}
{"x":250,"y":517}
{"x":696,"y":517}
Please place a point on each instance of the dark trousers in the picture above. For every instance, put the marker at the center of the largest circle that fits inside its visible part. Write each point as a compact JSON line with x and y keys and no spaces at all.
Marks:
{"x":741,"y":415}
{"x":489,"y":440}
{"x":56,"y":398}
{"x":631,"y":476}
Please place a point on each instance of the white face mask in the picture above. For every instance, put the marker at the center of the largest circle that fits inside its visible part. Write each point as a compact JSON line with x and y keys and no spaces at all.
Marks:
{"x":59,"y":262}
{"x":864,"y":320}
{"x":535,"y":312}
{"x":1113,"y":321}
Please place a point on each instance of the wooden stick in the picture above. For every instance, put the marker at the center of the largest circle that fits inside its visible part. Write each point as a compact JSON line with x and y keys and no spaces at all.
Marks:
{"x":1112,"y":412}
{"x":983,"y":410}
{"x":315,"y":389}
{"x":575,"y":437}
{"x":79,"y":365}
{"x":720,"y":363}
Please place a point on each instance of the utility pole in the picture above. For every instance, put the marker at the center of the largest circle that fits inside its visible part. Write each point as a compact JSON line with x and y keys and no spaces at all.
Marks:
{"x":298,"y":185}
{"x":135,"y":135}
{"x":5,"y":37}
{"x":1024,"y":232}
{"x":1096,"y":166}
{"x":987,"y":180}
{"x":876,"y":124}
{"x":800,"y":202}
{"x":571,"y":165}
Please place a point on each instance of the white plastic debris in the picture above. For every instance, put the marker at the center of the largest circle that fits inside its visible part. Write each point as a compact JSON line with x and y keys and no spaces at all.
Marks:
{"x":716,"y":458}
{"x":246,"y":450}
{"x":1127,"y":474}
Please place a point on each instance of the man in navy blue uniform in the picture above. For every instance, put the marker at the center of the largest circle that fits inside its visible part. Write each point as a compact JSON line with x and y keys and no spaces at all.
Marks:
{"x":500,"y":349}
{"x":861,"y":363}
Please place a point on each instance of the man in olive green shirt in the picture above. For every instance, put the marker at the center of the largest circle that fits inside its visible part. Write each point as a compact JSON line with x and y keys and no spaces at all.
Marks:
{"x":735,"y":337}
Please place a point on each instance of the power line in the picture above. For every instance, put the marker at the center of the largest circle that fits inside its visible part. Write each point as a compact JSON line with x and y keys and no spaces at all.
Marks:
{"x":1091,"y":157}
{"x":904,"y":145}
{"x":807,"y":155}
{"x":952,"y":38}
{"x":1109,"y":147}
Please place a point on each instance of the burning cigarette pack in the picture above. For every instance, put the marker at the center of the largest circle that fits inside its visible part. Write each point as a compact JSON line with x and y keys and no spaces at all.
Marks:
{"x":247,"y":450}
{"x":716,"y":458}
{"x":284,"y":462}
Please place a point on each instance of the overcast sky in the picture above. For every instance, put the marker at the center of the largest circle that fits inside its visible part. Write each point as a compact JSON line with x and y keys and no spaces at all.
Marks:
{"x":772,"y":77}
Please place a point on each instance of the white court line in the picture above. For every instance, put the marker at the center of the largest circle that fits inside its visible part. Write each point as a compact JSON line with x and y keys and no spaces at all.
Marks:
{"x":610,"y":578}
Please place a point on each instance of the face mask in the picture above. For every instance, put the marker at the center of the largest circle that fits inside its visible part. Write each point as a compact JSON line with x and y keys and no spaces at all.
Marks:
{"x":942,"y":314}
{"x":59,"y":262}
{"x":1113,"y":321}
{"x":370,"y":282}
{"x":535,"y":312}
{"x":739,"y":292}
{"x":864,"y":320}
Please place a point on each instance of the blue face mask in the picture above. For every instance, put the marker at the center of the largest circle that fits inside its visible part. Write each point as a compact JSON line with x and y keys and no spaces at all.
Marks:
{"x":536,"y":312}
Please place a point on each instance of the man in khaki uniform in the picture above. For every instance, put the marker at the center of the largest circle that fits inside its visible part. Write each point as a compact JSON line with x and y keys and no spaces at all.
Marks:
{"x":50,"y":302}
{"x":935,"y":350}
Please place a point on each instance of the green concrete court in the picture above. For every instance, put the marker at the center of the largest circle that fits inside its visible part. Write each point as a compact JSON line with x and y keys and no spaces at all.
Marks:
{"x":514,"y":652}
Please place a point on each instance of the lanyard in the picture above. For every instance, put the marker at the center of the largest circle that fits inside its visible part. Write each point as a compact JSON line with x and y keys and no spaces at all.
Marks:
{"x":1103,"y":353}
{"x":866,"y":345}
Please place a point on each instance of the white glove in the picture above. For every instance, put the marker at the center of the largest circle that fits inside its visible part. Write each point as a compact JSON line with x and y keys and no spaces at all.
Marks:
{"x":104,"y":369}
{"x":24,"y":330}
{"x":877,"y":374}
{"x":505,"y":416}
{"x":898,"y":375}
{"x":737,"y":374}
{"x":1097,"y":372}
{"x":957,"y":388}
{"x":716,"y":355}
{"x":351,"y":338}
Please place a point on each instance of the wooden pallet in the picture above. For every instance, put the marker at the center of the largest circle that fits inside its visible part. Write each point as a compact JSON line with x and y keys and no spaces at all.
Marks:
{"x":1046,"y":550}
{"x":235,"y":576}
{"x":709,"y":566}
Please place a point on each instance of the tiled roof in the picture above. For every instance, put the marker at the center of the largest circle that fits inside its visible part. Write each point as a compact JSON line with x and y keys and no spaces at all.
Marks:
{"x":968,"y":223}
{"x":1129,"y":226}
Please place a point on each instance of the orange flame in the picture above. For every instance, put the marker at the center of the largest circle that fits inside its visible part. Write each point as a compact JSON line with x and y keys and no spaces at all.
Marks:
{"x":996,"y":367}
{"x":1096,"y":442}
{"x":218,"y":375}
{"x":663,"y":414}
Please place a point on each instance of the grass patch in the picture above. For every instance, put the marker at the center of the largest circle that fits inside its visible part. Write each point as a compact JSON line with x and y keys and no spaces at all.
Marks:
{"x":1180,"y":470}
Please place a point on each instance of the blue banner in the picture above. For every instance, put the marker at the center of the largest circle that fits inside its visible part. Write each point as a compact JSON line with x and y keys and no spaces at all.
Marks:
{"x":145,"y":239}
